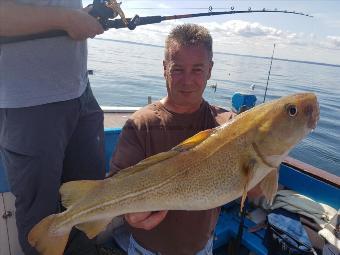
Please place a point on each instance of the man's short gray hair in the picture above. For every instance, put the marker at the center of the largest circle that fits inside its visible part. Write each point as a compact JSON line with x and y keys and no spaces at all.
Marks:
{"x":189,"y":35}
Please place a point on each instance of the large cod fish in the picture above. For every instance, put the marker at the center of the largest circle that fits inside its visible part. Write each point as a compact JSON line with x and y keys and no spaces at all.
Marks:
{"x":205,"y":171}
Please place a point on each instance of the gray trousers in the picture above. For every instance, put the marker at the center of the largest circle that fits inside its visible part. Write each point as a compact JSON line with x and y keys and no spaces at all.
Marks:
{"x":44,"y":146}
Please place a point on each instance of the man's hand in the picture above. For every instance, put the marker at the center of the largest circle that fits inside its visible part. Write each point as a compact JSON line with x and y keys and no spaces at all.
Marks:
{"x":145,"y":220}
{"x":80,"y":25}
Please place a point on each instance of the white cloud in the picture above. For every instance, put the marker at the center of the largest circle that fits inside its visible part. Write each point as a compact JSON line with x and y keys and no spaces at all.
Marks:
{"x":333,"y":41}
{"x":242,"y":28}
{"x":258,"y":34}
{"x":248,"y":29}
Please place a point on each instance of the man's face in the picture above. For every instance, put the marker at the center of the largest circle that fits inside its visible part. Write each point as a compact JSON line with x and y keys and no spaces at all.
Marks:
{"x":186,"y":72}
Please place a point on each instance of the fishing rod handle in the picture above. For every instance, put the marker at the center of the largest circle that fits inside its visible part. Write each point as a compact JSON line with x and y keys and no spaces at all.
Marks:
{"x":21,"y":38}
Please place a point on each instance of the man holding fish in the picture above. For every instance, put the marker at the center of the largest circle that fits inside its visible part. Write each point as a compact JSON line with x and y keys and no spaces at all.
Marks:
{"x":171,"y":197}
{"x":162,"y":125}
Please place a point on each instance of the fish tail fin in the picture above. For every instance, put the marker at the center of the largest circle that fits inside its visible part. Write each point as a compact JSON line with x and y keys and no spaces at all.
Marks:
{"x":44,"y":240}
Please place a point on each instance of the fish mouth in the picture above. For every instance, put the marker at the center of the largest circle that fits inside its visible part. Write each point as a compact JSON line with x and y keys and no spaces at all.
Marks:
{"x":312,"y":112}
{"x":310,"y":109}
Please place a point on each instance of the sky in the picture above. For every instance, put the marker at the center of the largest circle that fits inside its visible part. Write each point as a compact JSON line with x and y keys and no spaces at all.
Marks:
{"x":296,"y":37}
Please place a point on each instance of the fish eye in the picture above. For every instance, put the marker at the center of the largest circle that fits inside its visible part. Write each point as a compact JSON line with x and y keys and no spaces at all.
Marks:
{"x":292,"y":110}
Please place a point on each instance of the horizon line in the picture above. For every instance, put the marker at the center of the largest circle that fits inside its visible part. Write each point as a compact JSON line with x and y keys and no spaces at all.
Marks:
{"x":227,"y":53}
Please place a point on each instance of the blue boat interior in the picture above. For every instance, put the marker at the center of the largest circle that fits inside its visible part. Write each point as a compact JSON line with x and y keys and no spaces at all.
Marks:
{"x":229,"y":219}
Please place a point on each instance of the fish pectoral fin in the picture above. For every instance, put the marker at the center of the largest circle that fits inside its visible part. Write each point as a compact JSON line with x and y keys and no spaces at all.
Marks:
{"x":248,"y":173}
{"x":269,"y":185}
{"x":93,"y":228}
{"x":194,"y":140}
{"x":73,"y":191}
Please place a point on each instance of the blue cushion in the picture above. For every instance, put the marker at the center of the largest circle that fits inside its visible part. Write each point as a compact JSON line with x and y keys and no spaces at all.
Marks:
{"x":240,"y":101}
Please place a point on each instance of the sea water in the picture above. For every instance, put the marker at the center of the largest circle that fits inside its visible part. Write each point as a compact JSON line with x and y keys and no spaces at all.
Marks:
{"x":126,"y":73}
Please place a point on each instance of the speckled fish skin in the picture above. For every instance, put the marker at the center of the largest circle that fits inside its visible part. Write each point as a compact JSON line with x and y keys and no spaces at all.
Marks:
{"x":198,"y":174}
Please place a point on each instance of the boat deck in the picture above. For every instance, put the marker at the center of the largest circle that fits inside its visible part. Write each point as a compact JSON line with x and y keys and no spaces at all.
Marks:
{"x":116,"y":120}
{"x":116,"y":116}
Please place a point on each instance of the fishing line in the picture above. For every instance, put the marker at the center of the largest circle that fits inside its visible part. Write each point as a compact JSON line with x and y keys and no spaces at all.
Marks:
{"x":270,"y":68}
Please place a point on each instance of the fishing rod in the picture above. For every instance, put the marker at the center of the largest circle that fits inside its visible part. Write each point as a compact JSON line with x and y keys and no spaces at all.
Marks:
{"x":106,"y":12}
{"x":138,"y":21}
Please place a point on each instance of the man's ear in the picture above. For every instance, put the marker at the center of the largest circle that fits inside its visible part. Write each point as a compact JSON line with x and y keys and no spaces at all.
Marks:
{"x":164,"y":68}
{"x":210,"y":68}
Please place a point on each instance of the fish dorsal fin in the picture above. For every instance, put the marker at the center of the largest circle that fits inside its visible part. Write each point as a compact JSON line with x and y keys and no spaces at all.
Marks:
{"x":72,"y":191}
{"x":269,"y":185}
{"x":93,"y":228}
{"x":194,"y":140}
{"x":184,"y":146}
{"x":157,"y":158}
{"x":145,"y":163}
{"x":248,"y":172}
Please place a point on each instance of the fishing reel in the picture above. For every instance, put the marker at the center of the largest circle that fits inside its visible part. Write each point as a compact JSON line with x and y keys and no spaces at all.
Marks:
{"x":106,"y":10}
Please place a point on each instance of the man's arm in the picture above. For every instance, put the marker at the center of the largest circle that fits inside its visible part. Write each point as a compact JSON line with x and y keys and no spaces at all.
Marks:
{"x":22,"y":19}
